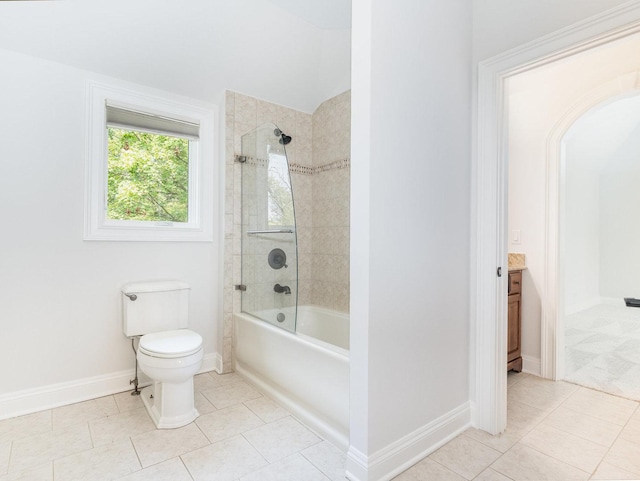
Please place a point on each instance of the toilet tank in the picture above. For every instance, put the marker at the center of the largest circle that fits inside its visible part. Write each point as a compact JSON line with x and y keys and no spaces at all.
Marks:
{"x":158,"y":306}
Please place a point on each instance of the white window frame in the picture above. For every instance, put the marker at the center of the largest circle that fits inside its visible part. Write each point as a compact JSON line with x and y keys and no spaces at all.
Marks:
{"x":98,"y":226}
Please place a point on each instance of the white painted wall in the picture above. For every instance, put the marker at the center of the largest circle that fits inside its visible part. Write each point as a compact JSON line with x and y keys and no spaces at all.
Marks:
{"x":581,"y":234}
{"x":619,"y":234}
{"x":526,"y":212}
{"x":60,"y":295}
{"x":410,"y":227}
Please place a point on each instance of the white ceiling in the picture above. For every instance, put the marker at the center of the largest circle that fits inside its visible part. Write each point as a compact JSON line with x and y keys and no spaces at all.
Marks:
{"x":276,"y":50}
{"x":321,"y":13}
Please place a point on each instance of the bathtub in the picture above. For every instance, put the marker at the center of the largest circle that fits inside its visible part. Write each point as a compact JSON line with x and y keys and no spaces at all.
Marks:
{"x":307,"y":371}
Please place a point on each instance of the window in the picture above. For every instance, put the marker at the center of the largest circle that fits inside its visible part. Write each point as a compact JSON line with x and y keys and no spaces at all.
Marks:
{"x":148,"y":177}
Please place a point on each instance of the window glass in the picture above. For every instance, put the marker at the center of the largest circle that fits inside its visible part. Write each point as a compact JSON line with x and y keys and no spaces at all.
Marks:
{"x":148,"y":176}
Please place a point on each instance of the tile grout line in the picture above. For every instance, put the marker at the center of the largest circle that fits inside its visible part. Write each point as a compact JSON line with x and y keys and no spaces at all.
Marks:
{"x":136,"y":451}
{"x":201,"y":432}
{"x":590,"y":417}
{"x":191,"y":475}
{"x":549,"y":414}
{"x":10,"y":456}
{"x":546,"y":415}
{"x":255,"y":448}
{"x":186,"y":467}
{"x":541,"y":453}
{"x":636,"y":410}
{"x":440,"y":464}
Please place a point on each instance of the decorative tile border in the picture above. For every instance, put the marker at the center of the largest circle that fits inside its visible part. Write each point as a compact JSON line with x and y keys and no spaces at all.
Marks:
{"x":335,"y":165}
{"x":247,"y":159}
{"x":298,"y":168}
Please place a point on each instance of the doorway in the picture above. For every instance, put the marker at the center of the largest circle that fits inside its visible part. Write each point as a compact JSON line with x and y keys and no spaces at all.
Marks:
{"x":490,"y":210}
{"x":574,"y":120}
{"x":600,"y":195}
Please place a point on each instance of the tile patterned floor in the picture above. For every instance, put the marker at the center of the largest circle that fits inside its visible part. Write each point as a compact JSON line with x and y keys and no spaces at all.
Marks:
{"x":602,"y":349}
{"x":240,"y":435}
{"x":556,"y":431}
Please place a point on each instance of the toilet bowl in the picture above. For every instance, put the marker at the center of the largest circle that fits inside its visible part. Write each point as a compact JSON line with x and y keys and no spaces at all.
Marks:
{"x":169,"y":353}
{"x":170,"y":359}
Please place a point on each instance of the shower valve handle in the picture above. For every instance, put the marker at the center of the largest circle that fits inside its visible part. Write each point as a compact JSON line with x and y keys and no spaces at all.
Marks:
{"x":280,"y":289}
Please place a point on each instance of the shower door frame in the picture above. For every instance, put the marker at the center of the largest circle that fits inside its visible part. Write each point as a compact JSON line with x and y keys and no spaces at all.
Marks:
{"x":262,"y":232}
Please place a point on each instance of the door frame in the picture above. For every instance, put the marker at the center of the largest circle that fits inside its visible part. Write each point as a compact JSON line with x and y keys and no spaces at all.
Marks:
{"x":489,"y":209}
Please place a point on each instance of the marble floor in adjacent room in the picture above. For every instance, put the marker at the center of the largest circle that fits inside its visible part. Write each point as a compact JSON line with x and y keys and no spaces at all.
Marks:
{"x":556,"y":431}
{"x":602,"y":349}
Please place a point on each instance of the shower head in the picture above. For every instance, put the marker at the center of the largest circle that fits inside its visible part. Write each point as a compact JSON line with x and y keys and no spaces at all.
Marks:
{"x":284,"y":139}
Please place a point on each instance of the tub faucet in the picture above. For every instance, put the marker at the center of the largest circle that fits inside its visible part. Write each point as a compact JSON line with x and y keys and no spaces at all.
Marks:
{"x":280,"y":289}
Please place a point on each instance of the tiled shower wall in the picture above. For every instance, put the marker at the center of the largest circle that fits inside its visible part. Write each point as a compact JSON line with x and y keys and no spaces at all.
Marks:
{"x":331,"y":190}
{"x":319,"y":160}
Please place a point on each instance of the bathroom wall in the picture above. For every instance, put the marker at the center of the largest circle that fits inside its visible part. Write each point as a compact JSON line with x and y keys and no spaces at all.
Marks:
{"x":619,"y":234}
{"x":61,"y":329}
{"x":582,"y":235}
{"x":601,"y":239}
{"x":331,"y":199}
{"x":410,"y":212}
{"x":319,"y":167}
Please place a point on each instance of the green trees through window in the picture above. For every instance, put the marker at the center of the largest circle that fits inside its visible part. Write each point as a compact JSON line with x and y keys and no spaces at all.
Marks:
{"x":148,"y":176}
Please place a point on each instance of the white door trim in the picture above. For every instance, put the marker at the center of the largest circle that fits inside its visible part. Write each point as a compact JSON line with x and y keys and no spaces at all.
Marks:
{"x":489,"y":209}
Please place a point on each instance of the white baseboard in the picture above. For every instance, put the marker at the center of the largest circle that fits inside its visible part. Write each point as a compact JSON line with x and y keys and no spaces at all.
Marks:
{"x":211,"y":362}
{"x":531,"y":365}
{"x":41,"y":398}
{"x":398,"y":456}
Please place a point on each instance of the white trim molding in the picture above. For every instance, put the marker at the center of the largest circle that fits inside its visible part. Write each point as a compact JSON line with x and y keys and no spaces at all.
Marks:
{"x":531,"y":365}
{"x":489,"y":223}
{"x":61,"y":394}
{"x":390,"y":461}
{"x":154,"y":104}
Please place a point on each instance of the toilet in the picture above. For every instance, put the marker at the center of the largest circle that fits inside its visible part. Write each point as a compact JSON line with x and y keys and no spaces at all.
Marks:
{"x":168,"y":353}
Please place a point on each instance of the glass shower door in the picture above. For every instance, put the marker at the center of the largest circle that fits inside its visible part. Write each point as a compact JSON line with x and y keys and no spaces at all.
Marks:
{"x":269,"y":246}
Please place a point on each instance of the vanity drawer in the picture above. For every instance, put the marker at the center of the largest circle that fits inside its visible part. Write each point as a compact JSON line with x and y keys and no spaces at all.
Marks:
{"x":515,"y":282}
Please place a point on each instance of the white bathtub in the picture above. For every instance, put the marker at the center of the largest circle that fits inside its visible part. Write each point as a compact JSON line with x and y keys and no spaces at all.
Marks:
{"x":307,"y":371}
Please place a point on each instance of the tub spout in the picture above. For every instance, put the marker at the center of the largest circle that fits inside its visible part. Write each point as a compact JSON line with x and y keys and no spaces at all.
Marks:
{"x":280,"y":289}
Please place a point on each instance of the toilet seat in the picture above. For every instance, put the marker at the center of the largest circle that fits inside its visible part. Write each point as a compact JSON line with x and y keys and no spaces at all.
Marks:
{"x":171,"y":344}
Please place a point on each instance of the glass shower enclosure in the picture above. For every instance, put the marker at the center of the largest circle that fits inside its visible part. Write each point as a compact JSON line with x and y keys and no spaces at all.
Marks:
{"x":269,"y":242}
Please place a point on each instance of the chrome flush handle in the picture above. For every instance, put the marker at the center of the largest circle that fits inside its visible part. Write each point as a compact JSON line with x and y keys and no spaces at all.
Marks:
{"x":133,"y":297}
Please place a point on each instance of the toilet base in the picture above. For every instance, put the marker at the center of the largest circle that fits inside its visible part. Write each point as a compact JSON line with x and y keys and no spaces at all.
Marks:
{"x":170,"y":405}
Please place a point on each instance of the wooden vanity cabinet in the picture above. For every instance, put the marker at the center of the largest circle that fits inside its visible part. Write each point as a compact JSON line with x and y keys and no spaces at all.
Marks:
{"x":514,"y":346}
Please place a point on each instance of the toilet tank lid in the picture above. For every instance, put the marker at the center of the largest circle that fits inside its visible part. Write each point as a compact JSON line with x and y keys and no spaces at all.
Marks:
{"x":154,"y":286}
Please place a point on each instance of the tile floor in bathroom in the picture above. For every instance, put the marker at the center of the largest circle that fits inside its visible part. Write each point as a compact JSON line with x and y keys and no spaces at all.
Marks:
{"x":557,"y":431}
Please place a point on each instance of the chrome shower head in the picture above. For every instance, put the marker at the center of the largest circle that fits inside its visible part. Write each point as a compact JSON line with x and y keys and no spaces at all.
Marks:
{"x":284,"y":139}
